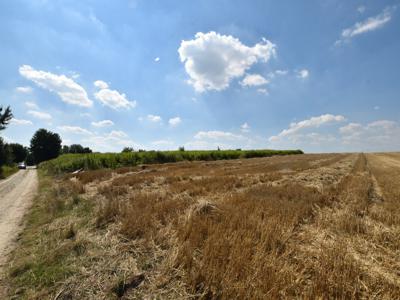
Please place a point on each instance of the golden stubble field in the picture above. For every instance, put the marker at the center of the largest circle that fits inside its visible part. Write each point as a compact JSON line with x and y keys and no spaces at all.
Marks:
{"x":303,"y":226}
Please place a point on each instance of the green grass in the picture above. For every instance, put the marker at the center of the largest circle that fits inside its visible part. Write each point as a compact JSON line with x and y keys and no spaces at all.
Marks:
{"x":7,"y":171}
{"x":93,"y":161}
{"x":47,"y":250}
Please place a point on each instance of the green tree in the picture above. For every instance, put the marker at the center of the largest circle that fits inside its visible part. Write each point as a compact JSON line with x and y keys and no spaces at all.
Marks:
{"x":87,"y":150}
{"x":45,"y":145}
{"x":127,"y":149}
{"x":77,"y":148}
{"x":19,"y":152}
{"x":5,"y":117}
{"x":5,"y":154}
{"x":3,"y":158}
{"x":65,"y":149}
{"x":30,"y":161}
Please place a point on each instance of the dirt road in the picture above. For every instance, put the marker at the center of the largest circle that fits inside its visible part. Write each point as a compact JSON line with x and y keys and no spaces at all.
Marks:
{"x":16,"y":194}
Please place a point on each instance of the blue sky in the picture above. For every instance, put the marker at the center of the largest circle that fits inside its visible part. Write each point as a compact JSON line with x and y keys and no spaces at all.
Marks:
{"x":322,"y":76}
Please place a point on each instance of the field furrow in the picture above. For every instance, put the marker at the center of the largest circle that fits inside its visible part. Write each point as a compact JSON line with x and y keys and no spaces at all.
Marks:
{"x":306,"y":226}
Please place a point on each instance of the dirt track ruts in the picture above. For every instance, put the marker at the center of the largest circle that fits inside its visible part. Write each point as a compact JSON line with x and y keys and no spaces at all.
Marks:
{"x":16,"y":194}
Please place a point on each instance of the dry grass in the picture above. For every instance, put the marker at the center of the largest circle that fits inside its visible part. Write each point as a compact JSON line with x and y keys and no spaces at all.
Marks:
{"x":307,"y":226}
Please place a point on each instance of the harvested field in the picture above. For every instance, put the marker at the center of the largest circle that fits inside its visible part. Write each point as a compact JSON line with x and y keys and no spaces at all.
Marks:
{"x":304,"y":226}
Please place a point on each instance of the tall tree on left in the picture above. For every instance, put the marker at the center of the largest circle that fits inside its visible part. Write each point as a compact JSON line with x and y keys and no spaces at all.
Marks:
{"x":5,"y":117}
{"x":45,"y":145}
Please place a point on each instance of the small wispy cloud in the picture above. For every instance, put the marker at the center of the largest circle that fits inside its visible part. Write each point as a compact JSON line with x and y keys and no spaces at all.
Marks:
{"x":174,"y":121}
{"x":31,"y":104}
{"x":20,"y":122}
{"x":314,"y":122}
{"x":303,"y":74}
{"x":103,"y":123}
{"x":75,"y":130}
{"x":216,"y":135}
{"x":361,"y":9}
{"x":263,"y":91}
{"x":253,"y":80}
{"x":112,"y":98}
{"x":245,"y":127}
{"x":40,"y":115}
{"x":24,"y":89}
{"x":154,"y":118}
{"x":370,"y":24}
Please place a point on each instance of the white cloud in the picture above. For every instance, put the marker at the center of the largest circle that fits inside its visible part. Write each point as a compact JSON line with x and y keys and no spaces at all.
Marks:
{"x":281,"y":72}
{"x":384,"y":124}
{"x":85,"y":115}
{"x":263,"y":91}
{"x":361,"y":9}
{"x":207,"y":145}
{"x":75,"y":75}
{"x":314,"y":122}
{"x":350,"y":128}
{"x":40,"y":115}
{"x":214,"y":139}
{"x":117,"y":134}
{"x":24,"y":89}
{"x":75,"y":130}
{"x":376,"y":107}
{"x":157,"y":59}
{"x":31,"y":104}
{"x":162,"y":143}
{"x":215,"y":134}
{"x":310,"y":135}
{"x":212,"y":60}
{"x":253,"y":80}
{"x":245,"y":127}
{"x":368,"y":25}
{"x":277,"y":73}
{"x":154,"y":119}
{"x":103,"y":123}
{"x":174,"y":121}
{"x":66,"y":88}
{"x":381,"y":135}
{"x":304,"y":73}
{"x":112,"y":98}
{"x":315,"y":138}
{"x":20,"y":122}
{"x":100,"y":84}
{"x":113,"y":141}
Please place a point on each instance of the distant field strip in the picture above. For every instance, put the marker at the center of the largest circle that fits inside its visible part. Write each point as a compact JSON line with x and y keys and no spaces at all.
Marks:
{"x":308,"y":226}
{"x":93,"y":161}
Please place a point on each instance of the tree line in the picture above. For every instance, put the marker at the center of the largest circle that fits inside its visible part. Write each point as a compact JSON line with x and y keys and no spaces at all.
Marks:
{"x":44,"y":145}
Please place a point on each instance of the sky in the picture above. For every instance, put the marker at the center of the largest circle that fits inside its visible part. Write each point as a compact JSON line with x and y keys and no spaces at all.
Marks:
{"x":321,"y":76}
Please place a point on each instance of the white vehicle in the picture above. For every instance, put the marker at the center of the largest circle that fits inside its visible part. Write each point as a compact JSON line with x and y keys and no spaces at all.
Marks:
{"x":22,"y":165}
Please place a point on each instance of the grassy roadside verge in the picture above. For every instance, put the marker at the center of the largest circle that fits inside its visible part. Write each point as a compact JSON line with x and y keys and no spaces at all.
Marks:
{"x":49,"y":246}
{"x":7,"y":171}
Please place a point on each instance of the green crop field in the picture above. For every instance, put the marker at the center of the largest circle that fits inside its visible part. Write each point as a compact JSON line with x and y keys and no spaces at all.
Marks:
{"x":93,"y":161}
